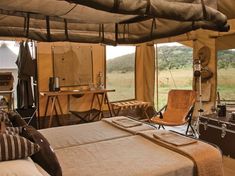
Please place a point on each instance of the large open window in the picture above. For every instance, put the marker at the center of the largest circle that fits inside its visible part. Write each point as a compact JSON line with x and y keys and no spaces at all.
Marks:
{"x":226,"y":72}
{"x":120,"y":72}
{"x":174,"y":67}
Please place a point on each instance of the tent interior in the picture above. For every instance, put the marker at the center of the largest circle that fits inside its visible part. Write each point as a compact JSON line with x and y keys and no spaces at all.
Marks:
{"x":74,"y":41}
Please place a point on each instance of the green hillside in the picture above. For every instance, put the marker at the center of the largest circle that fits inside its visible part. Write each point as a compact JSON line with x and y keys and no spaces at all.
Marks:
{"x":124,"y":63}
{"x":170,"y":57}
{"x":174,"y":57}
{"x":226,"y":59}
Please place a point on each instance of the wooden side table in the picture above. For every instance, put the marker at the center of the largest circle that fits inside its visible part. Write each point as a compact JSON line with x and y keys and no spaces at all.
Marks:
{"x":118,"y":106}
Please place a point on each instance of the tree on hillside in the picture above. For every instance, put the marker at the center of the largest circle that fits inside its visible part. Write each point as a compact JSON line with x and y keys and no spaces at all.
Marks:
{"x":226,"y":59}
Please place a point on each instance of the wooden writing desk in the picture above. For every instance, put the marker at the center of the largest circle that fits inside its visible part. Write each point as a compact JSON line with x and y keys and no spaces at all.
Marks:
{"x":99,"y":94}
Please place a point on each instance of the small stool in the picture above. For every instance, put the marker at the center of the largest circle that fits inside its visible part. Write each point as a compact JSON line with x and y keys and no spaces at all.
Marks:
{"x":118,"y":106}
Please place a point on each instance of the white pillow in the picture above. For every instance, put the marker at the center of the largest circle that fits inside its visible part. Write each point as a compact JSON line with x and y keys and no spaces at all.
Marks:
{"x":20,"y":167}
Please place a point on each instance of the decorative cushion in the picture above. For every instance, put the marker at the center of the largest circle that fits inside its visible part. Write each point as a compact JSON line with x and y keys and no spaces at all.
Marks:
{"x":16,"y":147}
{"x":4,"y":118}
{"x":2,"y":127}
{"x":16,"y":119}
{"x":46,"y":157}
{"x":10,"y":130}
{"x":13,"y":130}
{"x":20,"y":167}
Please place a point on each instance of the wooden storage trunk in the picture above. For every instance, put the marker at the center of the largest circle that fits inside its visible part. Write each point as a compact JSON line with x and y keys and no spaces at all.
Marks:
{"x":219,"y":131}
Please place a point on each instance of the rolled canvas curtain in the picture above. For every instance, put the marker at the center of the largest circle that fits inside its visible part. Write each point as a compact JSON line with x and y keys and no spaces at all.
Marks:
{"x":107,"y":21}
{"x":181,"y":10}
{"x":145,"y":72}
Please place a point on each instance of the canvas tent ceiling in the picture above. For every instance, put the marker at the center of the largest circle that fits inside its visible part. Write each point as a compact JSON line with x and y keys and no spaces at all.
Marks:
{"x":107,"y":21}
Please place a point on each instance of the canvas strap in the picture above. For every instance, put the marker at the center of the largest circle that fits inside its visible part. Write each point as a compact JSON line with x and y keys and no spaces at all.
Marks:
{"x":204,"y":9}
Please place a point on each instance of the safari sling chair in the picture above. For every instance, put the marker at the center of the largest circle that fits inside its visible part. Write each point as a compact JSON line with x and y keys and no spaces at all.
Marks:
{"x":178,"y":111}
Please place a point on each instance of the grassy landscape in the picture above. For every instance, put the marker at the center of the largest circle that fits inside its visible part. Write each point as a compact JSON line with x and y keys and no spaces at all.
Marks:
{"x":175,"y":72}
{"x":169,"y":79}
{"x":123,"y":83}
{"x":226,"y":83}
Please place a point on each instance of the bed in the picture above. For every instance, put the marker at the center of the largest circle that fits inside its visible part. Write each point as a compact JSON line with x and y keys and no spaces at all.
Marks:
{"x":122,"y":146}
{"x":74,"y":135}
{"x":105,"y":148}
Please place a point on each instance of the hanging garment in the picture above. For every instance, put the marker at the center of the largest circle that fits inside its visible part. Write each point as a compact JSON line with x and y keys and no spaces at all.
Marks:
{"x":26,"y":69}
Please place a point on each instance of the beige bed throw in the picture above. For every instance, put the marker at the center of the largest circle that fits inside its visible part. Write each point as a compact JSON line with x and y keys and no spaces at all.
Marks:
{"x":127,"y":124}
{"x":207,"y":159}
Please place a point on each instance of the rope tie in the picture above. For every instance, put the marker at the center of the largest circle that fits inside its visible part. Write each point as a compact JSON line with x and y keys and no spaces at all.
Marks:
{"x":148,"y":7}
{"x":205,"y":15}
{"x":116,"y":4}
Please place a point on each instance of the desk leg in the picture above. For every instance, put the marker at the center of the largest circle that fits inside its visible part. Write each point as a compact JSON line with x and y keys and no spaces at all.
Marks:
{"x":61,"y":111}
{"x":45,"y":113}
{"x":107,"y":101}
{"x":92,"y":101}
{"x":101,"y":102}
{"x":51,"y":112}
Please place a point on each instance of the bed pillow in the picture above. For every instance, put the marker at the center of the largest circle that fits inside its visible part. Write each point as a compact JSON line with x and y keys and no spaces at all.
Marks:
{"x":16,"y":147}
{"x":46,"y":157}
{"x":21,"y":167}
{"x":4,"y":118}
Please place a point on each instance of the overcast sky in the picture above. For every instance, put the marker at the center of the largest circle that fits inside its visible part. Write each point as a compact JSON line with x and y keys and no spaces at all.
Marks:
{"x":116,"y":51}
{"x":111,"y":51}
{"x":14,"y":46}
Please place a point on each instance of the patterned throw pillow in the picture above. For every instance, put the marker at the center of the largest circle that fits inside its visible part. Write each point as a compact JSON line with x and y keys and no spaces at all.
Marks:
{"x":16,"y":147}
{"x":4,"y":118}
{"x":16,"y":119}
{"x":13,"y":130}
{"x":10,"y":130}
{"x":46,"y":157}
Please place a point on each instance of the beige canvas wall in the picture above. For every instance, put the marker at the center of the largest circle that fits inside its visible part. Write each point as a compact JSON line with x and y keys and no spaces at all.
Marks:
{"x":226,"y":40}
{"x":145,"y":72}
{"x":145,"y":61}
{"x":45,"y":71}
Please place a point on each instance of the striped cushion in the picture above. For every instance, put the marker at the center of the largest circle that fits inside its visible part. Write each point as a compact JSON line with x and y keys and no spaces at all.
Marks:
{"x":46,"y":157}
{"x":16,"y":147}
{"x":4,"y":118}
{"x":10,"y":130}
{"x":13,"y":130}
